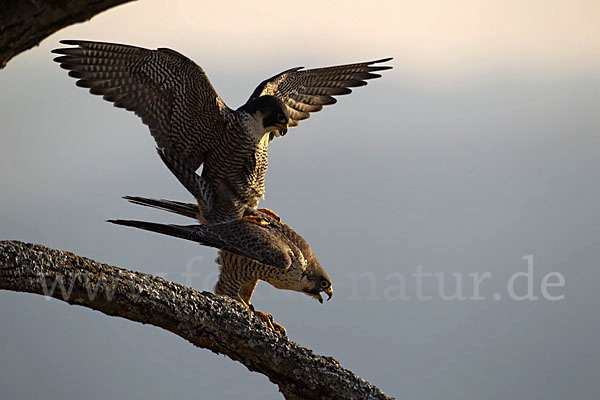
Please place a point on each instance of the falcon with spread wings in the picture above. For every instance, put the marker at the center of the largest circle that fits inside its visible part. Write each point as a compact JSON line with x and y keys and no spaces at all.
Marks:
{"x":188,"y":119}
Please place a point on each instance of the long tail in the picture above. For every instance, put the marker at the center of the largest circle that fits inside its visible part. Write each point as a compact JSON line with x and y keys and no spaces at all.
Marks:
{"x":171,"y":230}
{"x":239,"y":237}
{"x":186,"y":209}
{"x":193,"y":233}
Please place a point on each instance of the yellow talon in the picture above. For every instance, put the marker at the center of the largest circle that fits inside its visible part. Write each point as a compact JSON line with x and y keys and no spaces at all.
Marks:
{"x":268,"y":319}
{"x":255,"y":219}
{"x":239,"y":298}
{"x":270,"y":213}
{"x":279,"y":327}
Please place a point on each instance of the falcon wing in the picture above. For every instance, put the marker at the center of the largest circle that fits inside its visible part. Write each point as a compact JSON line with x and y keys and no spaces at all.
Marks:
{"x":171,"y":93}
{"x":194,"y":183}
{"x":239,"y":237}
{"x":307,"y":91}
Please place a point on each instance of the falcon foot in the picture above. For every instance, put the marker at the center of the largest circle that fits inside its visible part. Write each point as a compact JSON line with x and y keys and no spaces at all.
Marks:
{"x":279,"y":327}
{"x":255,"y":219}
{"x":268,"y":319}
{"x":270,"y":213}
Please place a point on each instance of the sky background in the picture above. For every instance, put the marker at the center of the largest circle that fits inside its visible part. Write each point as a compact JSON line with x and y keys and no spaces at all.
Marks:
{"x":479,"y":148}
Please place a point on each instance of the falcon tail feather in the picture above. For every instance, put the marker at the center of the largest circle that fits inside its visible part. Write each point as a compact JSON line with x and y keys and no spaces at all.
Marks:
{"x":202,"y":234}
{"x":186,"y":209}
{"x":171,"y":230}
{"x":181,"y":231}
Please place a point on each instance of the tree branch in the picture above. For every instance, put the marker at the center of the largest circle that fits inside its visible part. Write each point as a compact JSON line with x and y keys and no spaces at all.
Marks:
{"x":216,"y":323}
{"x":25,"y":23}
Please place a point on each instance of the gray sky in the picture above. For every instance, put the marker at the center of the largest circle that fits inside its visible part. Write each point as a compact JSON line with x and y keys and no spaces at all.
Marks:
{"x":479,"y":148}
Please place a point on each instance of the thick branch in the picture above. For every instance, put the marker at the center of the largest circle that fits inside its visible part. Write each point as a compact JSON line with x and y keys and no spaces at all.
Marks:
{"x":212,"y":322}
{"x":25,"y":23}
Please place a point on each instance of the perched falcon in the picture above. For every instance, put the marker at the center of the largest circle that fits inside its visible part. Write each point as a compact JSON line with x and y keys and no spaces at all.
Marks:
{"x":272,"y":252}
{"x":256,"y":247}
{"x":187,"y":118}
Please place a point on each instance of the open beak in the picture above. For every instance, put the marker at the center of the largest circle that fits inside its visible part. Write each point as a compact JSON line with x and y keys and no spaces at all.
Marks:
{"x":282,"y":128}
{"x":329,"y":293}
{"x":317,"y":295}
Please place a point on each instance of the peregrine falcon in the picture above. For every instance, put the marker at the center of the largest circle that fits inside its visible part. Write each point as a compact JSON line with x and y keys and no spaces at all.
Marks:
{"x":272,"y":252}
{"x":188,"y":119}
{"x":256,"y":247}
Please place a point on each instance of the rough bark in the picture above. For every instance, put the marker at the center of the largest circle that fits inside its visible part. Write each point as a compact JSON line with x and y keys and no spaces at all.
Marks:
{"x":216,"y":323}
{"x":25,"y":23}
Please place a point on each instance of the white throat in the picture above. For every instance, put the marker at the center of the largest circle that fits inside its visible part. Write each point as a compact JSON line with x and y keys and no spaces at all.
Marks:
{"x":255,"y":126}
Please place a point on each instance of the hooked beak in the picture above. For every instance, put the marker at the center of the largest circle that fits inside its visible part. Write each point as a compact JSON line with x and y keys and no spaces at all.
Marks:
{"x":317,"y":294}
{"x":282,"y":128}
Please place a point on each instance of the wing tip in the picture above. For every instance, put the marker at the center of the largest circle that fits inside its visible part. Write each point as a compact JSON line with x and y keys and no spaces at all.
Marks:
{"x":380,"y":67}
{"x":134,"y":200}
{"x":382,"y":60}
{"x":58,"y":59}
{"x":72,"y":42}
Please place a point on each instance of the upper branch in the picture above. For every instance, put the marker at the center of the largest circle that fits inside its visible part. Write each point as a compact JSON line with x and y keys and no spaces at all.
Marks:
{"x":216,"y":323}
{"x":25,"y":23}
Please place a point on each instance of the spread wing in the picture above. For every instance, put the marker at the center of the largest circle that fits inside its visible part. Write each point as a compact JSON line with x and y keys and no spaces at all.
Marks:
{"x":307,"y":91}
{"x":171,"y":93}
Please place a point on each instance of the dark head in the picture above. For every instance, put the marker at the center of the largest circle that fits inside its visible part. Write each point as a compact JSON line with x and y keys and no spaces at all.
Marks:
{"x":315,"y":280}
{"x":317,"y":283}
{"x":271,"y":111}
{"x":305,"y":276}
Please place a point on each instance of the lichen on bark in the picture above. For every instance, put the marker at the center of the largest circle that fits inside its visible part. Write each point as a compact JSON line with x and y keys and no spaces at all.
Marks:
{"x":217,"y":323}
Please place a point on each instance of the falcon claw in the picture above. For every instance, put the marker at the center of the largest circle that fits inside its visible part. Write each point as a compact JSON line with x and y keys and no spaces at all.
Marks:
{"x":255,"y":219}
{"x":270,"y":213}
{"x":268,"y":319}
{"x":280,"y":328}
{"x":250,"y":306}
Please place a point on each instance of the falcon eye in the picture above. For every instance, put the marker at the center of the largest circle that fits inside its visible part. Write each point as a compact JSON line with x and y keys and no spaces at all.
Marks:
{"x":325,"y":284}
{"x":281,"y":118}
